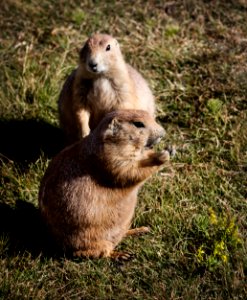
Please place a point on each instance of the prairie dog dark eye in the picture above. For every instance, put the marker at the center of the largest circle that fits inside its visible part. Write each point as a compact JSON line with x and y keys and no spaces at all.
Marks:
{"x":138,"y":124}
{"x":108,"y":48}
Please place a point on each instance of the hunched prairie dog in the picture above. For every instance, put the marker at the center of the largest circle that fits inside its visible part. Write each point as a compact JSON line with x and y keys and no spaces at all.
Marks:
{"x":89,"y":191}
{"x":102,"y":82}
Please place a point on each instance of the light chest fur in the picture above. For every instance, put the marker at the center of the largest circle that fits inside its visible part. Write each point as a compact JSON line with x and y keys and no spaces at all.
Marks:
{"x":106,"y":96}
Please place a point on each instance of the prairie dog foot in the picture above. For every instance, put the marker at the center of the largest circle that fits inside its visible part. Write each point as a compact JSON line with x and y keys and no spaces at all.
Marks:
{"x":98,"y":249}
{"x":90,"y":254}
{"x":121,"y":255}
{"x":137,"y":231}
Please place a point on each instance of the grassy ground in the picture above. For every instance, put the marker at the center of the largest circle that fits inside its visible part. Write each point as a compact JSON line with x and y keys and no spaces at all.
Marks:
{"x":193,"y":54}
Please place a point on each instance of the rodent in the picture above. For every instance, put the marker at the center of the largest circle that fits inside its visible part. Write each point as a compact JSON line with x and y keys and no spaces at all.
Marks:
{"x":89,"y":191}
{"x":101,"y":83}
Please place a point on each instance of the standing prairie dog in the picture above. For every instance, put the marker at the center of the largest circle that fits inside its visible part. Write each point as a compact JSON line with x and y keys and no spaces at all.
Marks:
{"x":89,"y":191}
{"x":102,"y":82}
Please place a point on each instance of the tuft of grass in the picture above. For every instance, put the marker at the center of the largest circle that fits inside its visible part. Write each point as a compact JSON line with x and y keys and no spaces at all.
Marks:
{"x":78,"y":16}
{"x":214,"y":105}
{"x":193,"y":54}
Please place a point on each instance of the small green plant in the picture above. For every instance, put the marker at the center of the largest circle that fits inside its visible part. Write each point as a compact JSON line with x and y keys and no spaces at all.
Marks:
{"x":78,"y":16}
{"x":214,"y":105}
{"x":218,"y":238}
{"x":171,"y":30}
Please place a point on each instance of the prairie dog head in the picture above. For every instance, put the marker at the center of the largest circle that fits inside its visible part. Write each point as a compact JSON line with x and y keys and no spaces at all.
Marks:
{"x":127,"y":134}
{"x":100,"y":54}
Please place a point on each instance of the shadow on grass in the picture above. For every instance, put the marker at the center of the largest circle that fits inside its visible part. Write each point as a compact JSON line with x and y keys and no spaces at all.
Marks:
{"x":23,"y":231}
{"x":23,"y":141}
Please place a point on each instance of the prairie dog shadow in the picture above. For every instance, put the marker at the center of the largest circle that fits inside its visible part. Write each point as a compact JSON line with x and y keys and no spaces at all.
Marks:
{"x":23,"y":141}
{"x":24,"y":230}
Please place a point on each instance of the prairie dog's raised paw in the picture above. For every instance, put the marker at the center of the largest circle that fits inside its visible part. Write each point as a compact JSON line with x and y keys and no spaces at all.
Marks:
{"x":163,"y":156}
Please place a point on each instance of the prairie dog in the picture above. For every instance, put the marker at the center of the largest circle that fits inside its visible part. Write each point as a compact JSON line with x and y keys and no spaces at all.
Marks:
{"x":89,"y":191}
{"x":102,"y":82}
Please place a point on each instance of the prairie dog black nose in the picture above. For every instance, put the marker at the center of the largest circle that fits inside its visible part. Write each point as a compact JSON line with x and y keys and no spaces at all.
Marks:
{"x":93,"y":65}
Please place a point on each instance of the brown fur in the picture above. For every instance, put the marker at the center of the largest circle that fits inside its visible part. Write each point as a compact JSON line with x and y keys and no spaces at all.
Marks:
{"x":89,"y":191}
{"x":91,"y":92}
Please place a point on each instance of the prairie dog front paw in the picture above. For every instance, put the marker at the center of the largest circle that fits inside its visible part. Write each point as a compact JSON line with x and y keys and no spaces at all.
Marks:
{"x":163,"y":156}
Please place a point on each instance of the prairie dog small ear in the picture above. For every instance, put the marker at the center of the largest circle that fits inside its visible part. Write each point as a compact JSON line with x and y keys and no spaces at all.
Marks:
{"x":113,"y":128}
{"x":83,"y":52}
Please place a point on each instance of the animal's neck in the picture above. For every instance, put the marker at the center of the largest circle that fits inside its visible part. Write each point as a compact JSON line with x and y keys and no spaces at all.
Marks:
{"x":116,"y":84}
{"x":120,"y":170}
{"x":118,"y":74}
{"x":120,"y":80}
